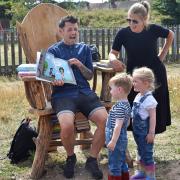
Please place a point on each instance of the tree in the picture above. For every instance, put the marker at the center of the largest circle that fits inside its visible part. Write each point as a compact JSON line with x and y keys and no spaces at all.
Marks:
{"x":4,"y":7}
{"x":19,"y":8}
{"x":168,"y":7}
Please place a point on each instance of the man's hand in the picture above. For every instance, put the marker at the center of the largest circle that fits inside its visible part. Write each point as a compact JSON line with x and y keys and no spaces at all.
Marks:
{"x":87,"y":73}
{"x":58,"y":83}
{"x":117,"y":65}
{"x":76,"y":62}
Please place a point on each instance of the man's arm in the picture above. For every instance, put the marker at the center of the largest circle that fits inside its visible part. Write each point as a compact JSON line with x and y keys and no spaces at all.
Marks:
{"x":87,"y":73}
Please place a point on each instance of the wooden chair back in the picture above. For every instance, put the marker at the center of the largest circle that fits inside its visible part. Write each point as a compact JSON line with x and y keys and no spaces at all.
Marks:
{"x":39,"y":29}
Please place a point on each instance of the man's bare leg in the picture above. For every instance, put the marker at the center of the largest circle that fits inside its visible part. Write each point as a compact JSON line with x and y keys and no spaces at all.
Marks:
{"x":99,"y":118}
{"x":66,"y":121}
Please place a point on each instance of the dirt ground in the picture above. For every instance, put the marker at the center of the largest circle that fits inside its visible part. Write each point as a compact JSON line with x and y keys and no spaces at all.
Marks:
{"x":54,"y":169}
{"x":173,"y":171}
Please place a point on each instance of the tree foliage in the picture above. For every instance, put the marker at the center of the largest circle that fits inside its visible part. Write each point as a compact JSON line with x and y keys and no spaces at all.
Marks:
{"x":167,"y":12}
{"x":170,"y":8}
{"x":5,"y":6}
{"x":15,"y":10}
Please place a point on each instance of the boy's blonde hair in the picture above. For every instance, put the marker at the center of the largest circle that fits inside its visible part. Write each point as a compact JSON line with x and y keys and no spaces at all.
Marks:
{"x":145,"y":74}
{"x":122,"y":80}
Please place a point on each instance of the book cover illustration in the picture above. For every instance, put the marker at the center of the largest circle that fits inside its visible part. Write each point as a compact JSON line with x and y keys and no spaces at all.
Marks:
{"x":50,"y":68}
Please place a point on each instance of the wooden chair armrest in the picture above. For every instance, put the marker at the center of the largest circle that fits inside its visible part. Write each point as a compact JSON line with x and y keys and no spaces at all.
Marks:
{"x":29,"y":78}
{"x":34,"y":91}
{"x":104,"y":69}
{"x":106,"y":73}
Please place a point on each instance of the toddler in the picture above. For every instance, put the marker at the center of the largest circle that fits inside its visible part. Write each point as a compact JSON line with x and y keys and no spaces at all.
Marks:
{"x":116,"y":127}
{"x":144,"y":122}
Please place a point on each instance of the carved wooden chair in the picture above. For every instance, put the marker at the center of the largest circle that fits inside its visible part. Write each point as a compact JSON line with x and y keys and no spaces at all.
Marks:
{"x":39,"y":30}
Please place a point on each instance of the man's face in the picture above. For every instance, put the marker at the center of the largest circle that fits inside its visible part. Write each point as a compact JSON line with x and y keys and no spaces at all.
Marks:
{"x":70,"y":33}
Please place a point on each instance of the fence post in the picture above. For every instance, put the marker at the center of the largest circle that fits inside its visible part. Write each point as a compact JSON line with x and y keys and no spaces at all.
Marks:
{"x":5,"y":53}
{"x":103,"y":43}
{"x":90,"y":36}
{"x":85,"y":35}
{"x":97,"y":38}
{"x":19,"y":52}
{"x":13,"y":52}
{"x":177,"y":43}
{"x":173,"y":56}
{"x":109,"y":39}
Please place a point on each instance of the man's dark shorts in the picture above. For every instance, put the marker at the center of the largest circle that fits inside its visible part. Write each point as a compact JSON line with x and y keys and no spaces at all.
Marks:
{"x":87,"y":104}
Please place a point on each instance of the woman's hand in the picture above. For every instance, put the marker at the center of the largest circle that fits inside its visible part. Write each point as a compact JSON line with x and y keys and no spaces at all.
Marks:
{"x":117,"y":65}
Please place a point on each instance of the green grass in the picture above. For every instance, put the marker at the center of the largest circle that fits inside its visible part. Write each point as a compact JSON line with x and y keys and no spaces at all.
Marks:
{"x":14,"y":107}
{"x":99,"y":18}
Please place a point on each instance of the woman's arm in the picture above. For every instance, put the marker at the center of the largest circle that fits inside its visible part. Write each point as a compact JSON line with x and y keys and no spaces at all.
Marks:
{"x":166,"y":46}
{"x":116,"y":64}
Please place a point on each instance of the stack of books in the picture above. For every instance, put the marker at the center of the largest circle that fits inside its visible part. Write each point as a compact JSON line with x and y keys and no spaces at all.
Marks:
{"x":27,"y":70}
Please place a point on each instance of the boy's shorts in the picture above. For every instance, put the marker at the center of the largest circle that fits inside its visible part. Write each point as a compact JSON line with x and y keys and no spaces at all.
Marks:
{"x":87,"y":104}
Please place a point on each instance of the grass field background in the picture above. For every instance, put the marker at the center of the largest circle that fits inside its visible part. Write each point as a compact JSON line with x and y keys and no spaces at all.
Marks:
{"x":14,"y":107}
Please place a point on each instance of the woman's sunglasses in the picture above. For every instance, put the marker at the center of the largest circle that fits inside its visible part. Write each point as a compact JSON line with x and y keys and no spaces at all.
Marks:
{"x":133,"y":21}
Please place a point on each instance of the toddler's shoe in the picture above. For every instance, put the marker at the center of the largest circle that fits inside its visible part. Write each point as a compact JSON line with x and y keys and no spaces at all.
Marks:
{"x":139,"y":175}
{"x":150,"y":178}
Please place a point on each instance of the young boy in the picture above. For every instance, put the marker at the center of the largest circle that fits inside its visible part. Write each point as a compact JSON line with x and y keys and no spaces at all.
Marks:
{"x":116,"y":127}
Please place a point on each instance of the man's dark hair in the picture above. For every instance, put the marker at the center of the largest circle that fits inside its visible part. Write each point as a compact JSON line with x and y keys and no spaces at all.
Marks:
{"x":65,"y":19}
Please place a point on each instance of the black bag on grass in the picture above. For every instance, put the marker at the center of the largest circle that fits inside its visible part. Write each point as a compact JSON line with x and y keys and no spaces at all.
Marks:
{"x":22,"y":142}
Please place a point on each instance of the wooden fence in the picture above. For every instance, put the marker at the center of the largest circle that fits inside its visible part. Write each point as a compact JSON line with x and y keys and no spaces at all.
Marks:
{"x":11,"y":53}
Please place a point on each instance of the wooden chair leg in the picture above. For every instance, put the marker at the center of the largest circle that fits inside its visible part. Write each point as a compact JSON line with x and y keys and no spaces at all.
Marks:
{"x":42,"y":144}
{"x":86,"y":135}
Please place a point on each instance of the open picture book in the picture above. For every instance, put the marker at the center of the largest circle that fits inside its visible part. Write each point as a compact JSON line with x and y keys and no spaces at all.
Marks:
{"x":50,"y":68}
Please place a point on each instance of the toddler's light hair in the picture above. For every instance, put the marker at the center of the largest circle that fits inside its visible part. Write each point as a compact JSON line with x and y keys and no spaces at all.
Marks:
{"x":145,"y":74}
{"x":122,"y":80}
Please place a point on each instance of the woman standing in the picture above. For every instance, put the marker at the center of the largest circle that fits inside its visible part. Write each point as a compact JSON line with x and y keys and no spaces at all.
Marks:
{"x":140,"y":42}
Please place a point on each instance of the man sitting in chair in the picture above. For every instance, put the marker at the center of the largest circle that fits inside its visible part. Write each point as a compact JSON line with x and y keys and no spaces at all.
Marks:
{"x":67,"y":99}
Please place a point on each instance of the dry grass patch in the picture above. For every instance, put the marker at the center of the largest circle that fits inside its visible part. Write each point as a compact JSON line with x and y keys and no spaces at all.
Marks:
{"x":14,"y":107}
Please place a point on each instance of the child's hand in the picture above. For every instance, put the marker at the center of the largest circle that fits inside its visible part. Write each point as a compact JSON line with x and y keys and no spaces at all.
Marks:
{"x":111,"y":146}
{"x":150,"y":138}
